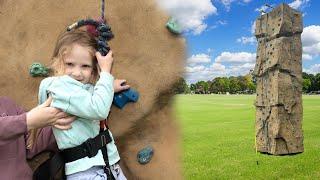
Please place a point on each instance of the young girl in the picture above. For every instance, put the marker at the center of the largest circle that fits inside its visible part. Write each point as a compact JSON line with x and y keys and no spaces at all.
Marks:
{"x":79,"y":89}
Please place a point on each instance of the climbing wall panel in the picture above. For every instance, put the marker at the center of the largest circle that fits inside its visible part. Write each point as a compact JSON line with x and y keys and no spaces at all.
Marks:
{"x":278,"y":73}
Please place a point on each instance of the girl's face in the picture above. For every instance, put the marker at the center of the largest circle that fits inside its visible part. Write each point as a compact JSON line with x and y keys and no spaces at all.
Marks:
{"x":78,"y":64}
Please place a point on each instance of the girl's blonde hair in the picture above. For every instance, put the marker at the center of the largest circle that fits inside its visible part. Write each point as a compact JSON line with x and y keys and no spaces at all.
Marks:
{"x":63,"y":46}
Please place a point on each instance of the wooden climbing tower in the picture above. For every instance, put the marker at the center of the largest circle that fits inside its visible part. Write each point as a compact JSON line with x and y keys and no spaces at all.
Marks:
{"x":278,"y":72}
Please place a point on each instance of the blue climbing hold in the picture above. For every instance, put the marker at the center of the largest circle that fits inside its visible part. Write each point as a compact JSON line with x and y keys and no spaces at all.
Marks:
{"x":145,"y":155}
{"x":122,"y":98}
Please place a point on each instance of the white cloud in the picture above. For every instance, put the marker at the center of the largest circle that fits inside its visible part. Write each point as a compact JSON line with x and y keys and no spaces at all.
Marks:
{"x":238,"y":57}
{"x":265,"y":8}
{"x":310,"y":35}
{"x":310,"y":38}
{"x":253,"y":27}
{"x":190,"y":13}
{"x":217,"y":24}
{"x":198,"y":58}
{"x":200,"y":70}
{"x":195,"y":69}
{"x":209,"y":50}
{"x":221,"y":22}
{"x":240,"y":69}
{"x":296,"y":4}
{"x":262,"y":9}
{"x":199,"y":29}
{"x":202,"y":73}
{"x":227,"y":3}
{"x":247,"y":40}
{"x":306,"y":57}
{"x":314,"y":49}
{"x":314,"y":69}
{"x":218,"y":67}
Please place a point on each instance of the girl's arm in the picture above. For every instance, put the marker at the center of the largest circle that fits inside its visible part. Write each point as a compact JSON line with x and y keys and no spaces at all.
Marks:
{"x":71,"y":96}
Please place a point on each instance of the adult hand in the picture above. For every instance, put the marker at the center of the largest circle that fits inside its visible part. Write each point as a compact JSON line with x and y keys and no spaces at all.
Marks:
{"x":44,"y":115}
{"x":120,"y":85}
{"x":105,"y":62}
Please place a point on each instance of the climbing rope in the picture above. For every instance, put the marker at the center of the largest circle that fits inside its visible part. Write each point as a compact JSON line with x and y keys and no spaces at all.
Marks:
{"x":102,"y":9}
{"x":104,"y":30}
{"x":104,"y":33}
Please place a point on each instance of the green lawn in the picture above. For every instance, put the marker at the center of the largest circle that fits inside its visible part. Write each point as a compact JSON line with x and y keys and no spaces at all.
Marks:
{"x":218,"y":140}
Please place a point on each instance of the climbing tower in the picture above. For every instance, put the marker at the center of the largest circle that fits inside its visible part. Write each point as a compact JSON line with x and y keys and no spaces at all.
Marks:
{"x":278,"y":72}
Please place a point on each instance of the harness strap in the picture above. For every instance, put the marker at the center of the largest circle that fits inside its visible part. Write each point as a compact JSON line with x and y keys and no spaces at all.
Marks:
{"x":87,"y":149}
{"x":107,"y":170}
{"x":104,"y":127}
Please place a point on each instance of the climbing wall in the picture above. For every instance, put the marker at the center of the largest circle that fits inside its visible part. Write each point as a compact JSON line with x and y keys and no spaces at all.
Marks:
{"x":146,"y":54}
{"x":278,"y":73}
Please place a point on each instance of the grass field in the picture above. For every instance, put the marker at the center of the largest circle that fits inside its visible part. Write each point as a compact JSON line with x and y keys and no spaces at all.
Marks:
{"x":218,"y":140}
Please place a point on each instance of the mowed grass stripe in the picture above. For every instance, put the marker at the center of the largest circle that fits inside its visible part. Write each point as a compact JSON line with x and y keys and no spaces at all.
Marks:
{"x":218,"y":140}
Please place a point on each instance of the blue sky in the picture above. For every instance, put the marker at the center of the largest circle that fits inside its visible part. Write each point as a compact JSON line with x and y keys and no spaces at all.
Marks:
{"x":220,"y":39}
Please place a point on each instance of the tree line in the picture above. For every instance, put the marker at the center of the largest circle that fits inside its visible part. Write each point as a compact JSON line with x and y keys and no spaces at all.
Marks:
{"x":311,"y":83}
{"x":239,"y":85}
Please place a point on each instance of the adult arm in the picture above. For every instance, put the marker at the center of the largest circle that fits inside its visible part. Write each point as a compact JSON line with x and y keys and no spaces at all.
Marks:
{"x":12,"y":127}
{"x":45,"y":141}
{"x":44,"y":115}
{"x":17,"y":123}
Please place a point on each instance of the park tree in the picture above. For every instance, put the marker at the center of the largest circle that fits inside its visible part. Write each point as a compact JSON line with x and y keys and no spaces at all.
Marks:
{"x":234,"y":85}
{"x":193,"y":87}
{"x":220,"y":85}
{"x":202,"y":87}
{"x":312,"y":79}
{"x":181,"y":86}
{"x":242,"y":83}
{"x":306,"y":85}
{"x":250,"y":86}
{"x":317,"y":82}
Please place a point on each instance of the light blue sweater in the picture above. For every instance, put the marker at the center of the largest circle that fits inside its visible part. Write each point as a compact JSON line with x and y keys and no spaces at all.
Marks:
{"x":90,"y":104}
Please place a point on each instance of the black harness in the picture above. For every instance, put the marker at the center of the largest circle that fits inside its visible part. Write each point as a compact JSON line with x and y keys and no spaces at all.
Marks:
{"x":89,"y":148}
{"x":53,"y":166}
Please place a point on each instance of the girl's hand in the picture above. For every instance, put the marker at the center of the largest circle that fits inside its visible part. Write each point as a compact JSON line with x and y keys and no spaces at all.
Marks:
{"x":105,"y":62}
{"x":44,"y":115}
{"x":120,"y":85}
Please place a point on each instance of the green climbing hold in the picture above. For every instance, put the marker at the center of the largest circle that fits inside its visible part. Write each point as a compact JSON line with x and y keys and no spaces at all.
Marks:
{"x":173,"y":26}
{"x":37,"y":69}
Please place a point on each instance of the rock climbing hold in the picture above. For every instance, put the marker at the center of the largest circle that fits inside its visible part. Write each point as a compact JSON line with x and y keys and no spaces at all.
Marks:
{"x":145,"y":155}
{"x":37,"y":69}
{"x":122,"y":98}
{"x":173,"y":26}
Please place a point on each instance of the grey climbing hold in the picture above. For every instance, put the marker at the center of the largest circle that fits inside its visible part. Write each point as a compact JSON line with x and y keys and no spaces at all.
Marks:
{"x":37,"y":69}
{"x":145,"y":155}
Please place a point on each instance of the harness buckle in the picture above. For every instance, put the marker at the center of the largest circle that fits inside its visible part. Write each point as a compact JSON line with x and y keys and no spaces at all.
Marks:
{"x":108,"y":172}
{"x":104,"y":141}
{"x":90,"y":148}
